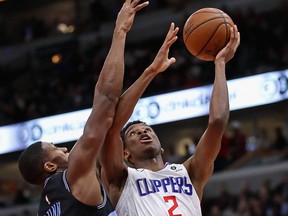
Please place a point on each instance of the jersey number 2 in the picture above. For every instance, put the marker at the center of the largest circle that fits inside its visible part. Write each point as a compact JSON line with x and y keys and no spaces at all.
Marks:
{"x":174,"y":206}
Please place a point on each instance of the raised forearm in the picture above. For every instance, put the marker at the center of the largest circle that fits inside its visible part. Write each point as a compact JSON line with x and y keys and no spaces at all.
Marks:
{"x":130,"y":97}
{"x":219,"y":105}
{"x":110,"y":82}
{"x":111,"y":77}
{"x":160,"y":64}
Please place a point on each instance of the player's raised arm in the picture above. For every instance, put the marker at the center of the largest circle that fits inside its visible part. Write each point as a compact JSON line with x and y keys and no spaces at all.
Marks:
{"x":70,"y":182}
{"x":200,"y":166}
{"x":112,"y":159}
{"x":82,"y":160}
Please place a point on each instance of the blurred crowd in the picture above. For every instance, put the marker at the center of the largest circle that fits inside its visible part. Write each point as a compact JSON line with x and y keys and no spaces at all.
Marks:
{"x":27,"y":92}
{"x":266,"y":200}
{"x":18,"y":31}
{"x":236,"y":146}
{"x":30,"y":92}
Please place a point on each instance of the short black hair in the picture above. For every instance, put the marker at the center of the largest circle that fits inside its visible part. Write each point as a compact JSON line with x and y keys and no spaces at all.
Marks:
{"x":124,"y":129}
{"x":31,"y":163}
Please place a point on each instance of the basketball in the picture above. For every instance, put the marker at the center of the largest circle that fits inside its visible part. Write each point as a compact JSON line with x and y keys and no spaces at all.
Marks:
{"x":206,"y":32}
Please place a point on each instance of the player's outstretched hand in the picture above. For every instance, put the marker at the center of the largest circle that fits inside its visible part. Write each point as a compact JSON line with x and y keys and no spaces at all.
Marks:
{"x":125,"y":17}
{"x":162,"y":60}
{"x":227,"y":53}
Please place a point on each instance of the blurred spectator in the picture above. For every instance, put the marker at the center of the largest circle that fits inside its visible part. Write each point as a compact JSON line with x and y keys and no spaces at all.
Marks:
{"x":26,"y":213}
{"x":280,"y":141}
{"x":224,"y":157}
{"x":189,"y":151}
{"x":215,"y":211}
{"x":98,"y":14}
{"x":171,"y":155}
{"x":264,"y":199}
{"x":243,"y":206}
{"x":280,"y":199}
{"x":22,"y":197}
{"x":263,"y":140}
{"x":225,"y":201}
{"x":245,"y":191}
{"x":192,"y":76}
{"x":282,"y":188}
{"x":237,"y":141}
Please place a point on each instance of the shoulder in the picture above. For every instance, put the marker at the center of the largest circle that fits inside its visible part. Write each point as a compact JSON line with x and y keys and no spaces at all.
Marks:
{"x":55,"y":180}
{"x":135,"y":170}
{"x":173,"y":166}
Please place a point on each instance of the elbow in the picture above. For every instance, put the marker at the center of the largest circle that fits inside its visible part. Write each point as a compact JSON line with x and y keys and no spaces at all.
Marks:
{"x":112,"y":98}
{"x":219,"y":122}
{"x":93,"y":134}
{"x":109,"y":92}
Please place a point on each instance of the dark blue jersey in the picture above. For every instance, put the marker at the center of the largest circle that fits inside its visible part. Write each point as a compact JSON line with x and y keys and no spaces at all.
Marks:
{"x":57,"y":200}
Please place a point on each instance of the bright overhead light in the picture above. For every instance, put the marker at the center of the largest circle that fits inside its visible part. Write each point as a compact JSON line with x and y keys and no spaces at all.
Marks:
{"x":62,"y":27}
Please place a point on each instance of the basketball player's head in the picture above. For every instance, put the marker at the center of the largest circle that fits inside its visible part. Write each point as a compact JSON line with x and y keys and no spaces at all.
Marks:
{"x":140,"y":142}
{"x":127,"y":126}
{"x":40,"y":160}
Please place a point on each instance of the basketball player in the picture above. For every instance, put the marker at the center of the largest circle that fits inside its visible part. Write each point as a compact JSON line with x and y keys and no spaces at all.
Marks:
{"x":152,"y":187}
{"x":70,"y":184}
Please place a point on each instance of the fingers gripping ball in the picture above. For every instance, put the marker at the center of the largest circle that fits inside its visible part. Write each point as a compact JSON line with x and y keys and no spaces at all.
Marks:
{"x":206,"y":32}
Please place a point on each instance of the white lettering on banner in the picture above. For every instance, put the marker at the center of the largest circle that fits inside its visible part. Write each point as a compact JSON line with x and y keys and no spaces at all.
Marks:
{"x":259,"y":90}
{"x":243,"y":93}
{"x":173,"y":106}
{"x":37,"y":130}
{"x":57,"y":129}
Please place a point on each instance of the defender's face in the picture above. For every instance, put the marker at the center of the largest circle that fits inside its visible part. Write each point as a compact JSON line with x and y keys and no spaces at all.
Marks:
{"x":56,"y":155}
{"x":141,"y":139}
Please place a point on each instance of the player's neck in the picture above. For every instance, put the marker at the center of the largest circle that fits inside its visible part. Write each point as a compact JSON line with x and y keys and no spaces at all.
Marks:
{"x":154,"y":164}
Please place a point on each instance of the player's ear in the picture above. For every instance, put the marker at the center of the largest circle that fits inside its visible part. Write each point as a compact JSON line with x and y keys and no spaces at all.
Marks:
{"x":126,"y":155}
{"x":50,"y":167}
{"x":162,"y":151}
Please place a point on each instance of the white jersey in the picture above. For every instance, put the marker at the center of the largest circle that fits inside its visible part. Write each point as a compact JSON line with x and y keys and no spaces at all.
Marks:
{"x":167,"y":192}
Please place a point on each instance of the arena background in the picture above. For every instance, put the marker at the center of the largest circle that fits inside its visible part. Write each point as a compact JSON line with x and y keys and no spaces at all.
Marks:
{"x":52,"y":51}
